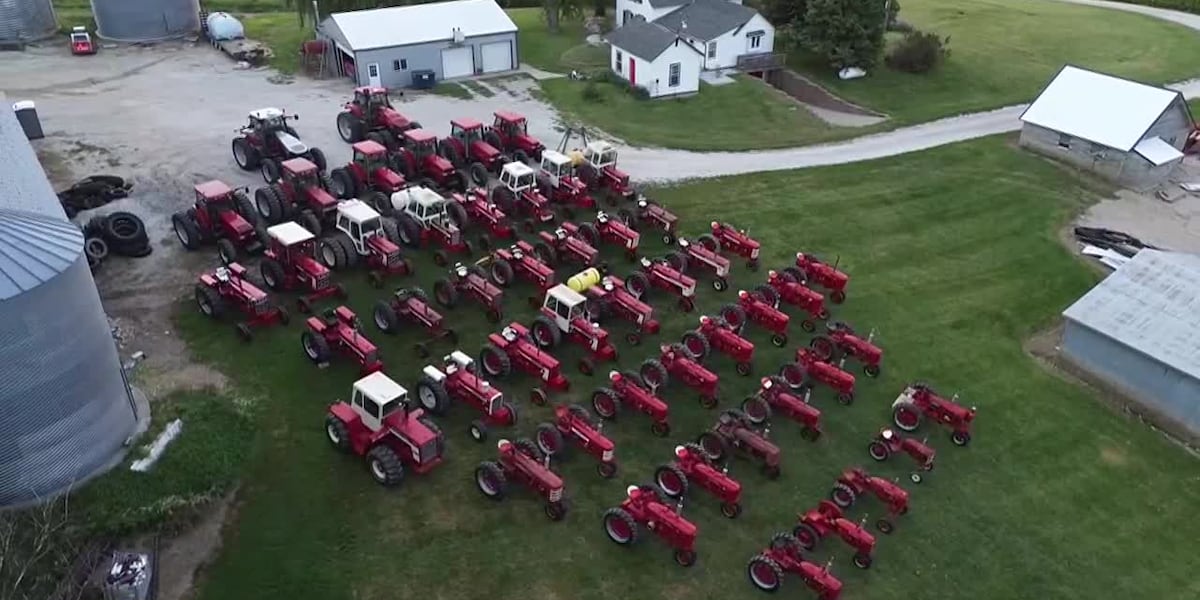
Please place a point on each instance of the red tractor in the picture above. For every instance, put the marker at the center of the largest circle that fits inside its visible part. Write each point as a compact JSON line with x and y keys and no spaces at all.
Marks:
{"x":474,"y":209}
{"x":370,"y":116}
{"x":855,"y":483}
{"x":339,"y":330}
{"x":423,"y":221}
{"x":418,"y":160}
{"x":697,"y":257}
{"x":216,"y":290}
{"x":809,"y":267}
{"x":367,"y":175}
{"x":676,"y":361}
{"x":564,"y":313}
{"x":734,"y":432}
{"x":627,"y":390}
{"x":841,"y":342}
{"x":379,"y":424}
{"x":467,"y":148}
{"x":715,"y":334}
{"x":784,"y":287}
{"x":826,"y":520}
{"x":599,"y":171}
{"x":773,"y":397}
{"x":301,"y":189}
{"x":691,"y":468}
{"x":609,"y":297}
{"x":512,"y":347}
{"x":223,"y":214}
{"x":519,"y":261}
{"x":766,"y":570}
{"x":650,"y":214}
{"x":574,"y":424}
{"x":458,"y":381}
{"x":658,"y":274}
{"x":751,"y":308}
{"x":727,"y":238}
{"x":561,"y":246}
{"x":472,"y":282}
{"x":557,"y":181}
{"x":608,"y":230}
{"x":412,"y":306}
{"x":510,"y":133}
{"x":361,"y":234}
{"x":518,"y":196}
{"x":267,"y":140}
{"x":81,"y":42}
{"x":889,"y":442}
{"x":290,"y":264}
{"x":809,"y":370}
{"x":645,"y":506}
{"x":919,"y":401}
{"x":522,"y":462}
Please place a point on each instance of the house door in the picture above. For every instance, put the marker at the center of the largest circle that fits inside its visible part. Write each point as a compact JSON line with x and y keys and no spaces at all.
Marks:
{"x":632,"y":71}
{"x":373,"y":75}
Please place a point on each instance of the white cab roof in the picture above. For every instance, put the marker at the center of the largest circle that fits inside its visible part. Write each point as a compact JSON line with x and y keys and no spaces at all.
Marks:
{"x":599,"y":146}
{"x":518,"y":169}
{"x":267,"y":113}
{"x":566,"y":295}
{"x":555,"y":157}
{"x":380,"y":387}
{"x":289,"y":233}
{"x":423,"y":196}
{"x":357,"y":210}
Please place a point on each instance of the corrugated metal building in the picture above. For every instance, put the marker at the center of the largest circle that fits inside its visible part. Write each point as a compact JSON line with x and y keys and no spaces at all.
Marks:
{"x":1126,"y":132}
{"x":1139,"y":331}
{"x":26,"y":20}
{"x":66,"y":409}
{"x":455,"y":39}
{"x":145,"y":20}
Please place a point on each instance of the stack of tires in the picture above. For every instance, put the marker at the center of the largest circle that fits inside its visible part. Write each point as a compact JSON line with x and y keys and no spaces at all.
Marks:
{"x":120,"y":233}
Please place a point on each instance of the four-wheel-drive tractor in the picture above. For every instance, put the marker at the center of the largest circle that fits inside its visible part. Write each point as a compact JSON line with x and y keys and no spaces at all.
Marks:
{"x":773,"y":396}
{"x":656,"y":273}
{"x":715,"y":334}
{"x":458,"y":381}
{"x":510,"y":133}
{"x":564,"y":313}
{"x":599,"y":171}
{"x":766,"y":570}
{"x":809,"y":370}
{"x":784,"y":287}
{"x":472,"y":282}
{"x":752,"y":308}
{"x":513,"y":347}
{"x":627,"y":389}
{"x":518,"y":196}
{"x":607,"y":296}
{"x":646,"y":506}
{"x":370,"y":116}
{"x":216,"y":290}
{"x":267,"y":140}
{"x":733,"y":432}
{"x":519,"y":261}
{"x":557,"y":181}
{"x":523,"y":463}
{"x":379,"y":425}
{"x":574,"y":425}
{"x":889,"y":441}
{"x":368,"y":176}
{"x":691,"y":258}
{"x":723,"y":237}
{"x":809,"y":267}
{"x":422,"y":220}
{"x":918,"y":401}
{"x":652,"y":215}
{"x":467,"y":149}
{"x":361,"y":234}
{"x":827,"y":520}
{"x":608,"y":230}
{"x":224,"y":215}
{"x":692,"y":468}
{"x":301,"y":191}
{"x":339,"y":330}
{"x":412,"y":306}
{"x":81,"y":41}
{"x":561,"y":246}
{"x":841,"y":343}
{"x":475,"y":209}
{"x":676,"y":361}
{"x":418,"y":160}
{"x":290,"y":264}
{"x":855,"y":483}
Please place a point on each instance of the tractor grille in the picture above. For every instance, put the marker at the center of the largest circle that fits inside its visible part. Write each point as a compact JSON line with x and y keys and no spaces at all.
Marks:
{"x":555,"y":495}
{"x":321,"y":281}
{"x":261,"y":306}
{"x":429,"y":451}
{"x":392,"y":258}
{"x":606,"y":456}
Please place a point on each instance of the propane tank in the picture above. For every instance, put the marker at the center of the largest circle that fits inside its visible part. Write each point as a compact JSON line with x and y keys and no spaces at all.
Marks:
{"x":581,"y":281}
{"x":576,"y":157}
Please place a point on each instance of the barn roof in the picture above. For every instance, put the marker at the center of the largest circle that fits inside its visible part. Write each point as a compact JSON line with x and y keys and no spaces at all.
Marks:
{"x":1100,"y":108}
{"x":1149,"y":304}
{"x":643,"y":39}
{"x":420,"y":23}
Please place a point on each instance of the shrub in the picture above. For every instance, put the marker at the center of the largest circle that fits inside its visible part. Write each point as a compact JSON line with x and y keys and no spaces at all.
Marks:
{"x":592,"y":93}
{"x":639,"y":92}
{"x":918,"y":52}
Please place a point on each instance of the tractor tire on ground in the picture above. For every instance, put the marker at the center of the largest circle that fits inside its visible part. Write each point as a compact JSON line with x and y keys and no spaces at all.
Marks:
{"x":885,"y":526}
{"x":478,"y":431}
{"x":733,"y":315}
{"x":349,"y":127}
{"x":757,"y":410}
{"x":768,"y":294}
{"x":385,"y":317}
{"x":620,"y":526}
{"x":653,"y":373}
{"x":352,"y":256}
{"x":502,"y":273}
{"x":685,"y":558}
{"x":493,"y":140}
{"x":269,"y":169}
{"x":96,"y":249}
{"x":843,"y":495}
{"x":409,"y":230}
{"x":186,"y":230}
{"x":879,"y":451}
{"x":345,"y":186}
{"x":494,"y":361}
{"x":391,"y":231}
{"x":764,"y":573}
{"x":381,"y":203}
{"x":520,"y":156}
{"x":338,"y":433}
{"x":696,"y":344}
{"x":590,"y":234}
{"x":432,"y":396}
{"x":446,"y":293}
{"x":637,"y":285}
{"x":272,"y":274}
{"x":209,"y":301}
{"x":316,"y":348}
{"x":731,"y":510}
{"x":793,"y":375}
{"x":906,"y":417}
{"x":503,"y":198}
{"x":556,"y":511}
{"x":549,"y":439}
{"x":672,"y":481}
{"x":318,"y":158}
{"x":545,"y":332}
{"x":960,"y":438}
{"x":457,"y":215}
{"x":450,"y":152}
{"x":546,"y":254}
{"x":332,"y":254}
{"x":479,"y":174}
{"x":269,"y":205}
{"x":713,"y":445}
{"x":806,"y":536}
{"x":124,"y":230}
{"x":385,"y":466}
{"x":226,"y":251}
{"x":529,"y":449}
{"x":607,"y":470}
{"x":245,"y":155}
{"x":606,"y":403}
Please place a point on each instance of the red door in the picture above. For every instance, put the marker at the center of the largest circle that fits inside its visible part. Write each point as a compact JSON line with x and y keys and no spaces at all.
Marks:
{"x":632,"y":71}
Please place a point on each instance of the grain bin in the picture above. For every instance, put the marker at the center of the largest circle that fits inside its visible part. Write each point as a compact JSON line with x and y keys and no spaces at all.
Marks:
{"x":26,"y":20}
{"x":145,"y":20}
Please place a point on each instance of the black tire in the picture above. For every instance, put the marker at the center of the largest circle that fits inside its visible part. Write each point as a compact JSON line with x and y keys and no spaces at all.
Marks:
{"x":713,"y":445}
{"x":502,"y":273}
{"x":245,"y":155}
{"x":677,"y":482}
{"x":309,"y":220}
{"x":545,"y":332}
{"x":272,"y":274}
{"x":385,"y":317}
{"x":318,"y":158}
{"x":638,"y":285}
{"x":450,"y":152}
{"x":185,"y":229}
{"x":549,"y":439}
{"x":432,"y":396}
{"x":124,"y":229}
{"x":385,"y":466}
{"x":344,"y":184}
{"x":493,"y":140}
{"x":479,"y":174}
{"x":626,"y":532}
{"x":381,"y":202}
{"x":764,"y":573}
{"x":332,"y":254}
{"x":315,"y":347}
{"x":696,"y":344}
{"x":606,"y":403}
{"x":446,"y":293}
{"x":520,"y":156}
{"x":768,"y":294}
{"x":653,"y":373}
{"x":527,"y":447}
{"x":269,"y":205}
{"x":95,"y":225}
{"x":409,"y":230}
{"x":337,"y":433}
{"x":226,"y":251}
{"x":545,"y":253}
{"x":210,"y":303}
{"x":269,"y":169}
{"x":350,"y":128}
{"x":678,"y":261}
{"x":391,"y":230}
{"x":96,"y":249}
{"x":499,"y":364}
{"x":490,"y":480}
{"x":457,"y":214}
{"x":503,"y":198}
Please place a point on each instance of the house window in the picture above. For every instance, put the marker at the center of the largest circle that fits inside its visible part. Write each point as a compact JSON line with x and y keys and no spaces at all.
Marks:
{"x":620,"y":60}
{"x":1064,"y":141}
{"x":755,"y":40}
{"x":712,"y":49}
{"x":400,"y":65}
{"x":673,"y":75}
{"x":626,"y":16}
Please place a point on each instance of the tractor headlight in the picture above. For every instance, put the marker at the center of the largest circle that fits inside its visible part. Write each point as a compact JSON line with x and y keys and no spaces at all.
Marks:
{"x":606,"y":456}
{"x":754,"y":253}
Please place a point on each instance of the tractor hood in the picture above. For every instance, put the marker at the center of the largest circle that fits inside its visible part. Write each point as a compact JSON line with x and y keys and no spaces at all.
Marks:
{"x":235,"y":222}
{"x":394,"y":120}
{"x":382,"y":245}
{"x":439,"y":164}
{"x":528,"y":143}
{"x":485,"y":151}
{"x":388,"y":179}
{"x":291,"y":142}
{"x":615,"y":173}
{"x":321,"y":199}
{"x":311,"y":266}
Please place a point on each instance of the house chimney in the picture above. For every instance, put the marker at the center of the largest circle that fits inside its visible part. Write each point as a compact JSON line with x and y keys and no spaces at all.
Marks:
{"x":683,"y":23}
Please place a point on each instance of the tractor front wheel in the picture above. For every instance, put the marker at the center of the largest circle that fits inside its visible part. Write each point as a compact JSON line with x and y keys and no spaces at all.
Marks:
{"x":743,"y":368}
{"x":879,"y":451}
{"x":607,"y":470}
{"x":490,"y":480}
{"x":771,"y":471}
{"x":660,"y":428}
{"x":556,"y":511}
{"x":871,"y":370}
{"x":960,"y":438}
{"x":862,"y":561}
{"x":779,"y":340}
{"x":885,"y":526}
{"x":845,"y":398}
{"x":687,"y":305}
{"x":385,"y":466}
{"x":478,"y":431}
{"x":269,"y":170}
{"x":731,"y":510}
{"x":685,"y":558}
{"x":837,"y":296}
{"x":338,"y":433}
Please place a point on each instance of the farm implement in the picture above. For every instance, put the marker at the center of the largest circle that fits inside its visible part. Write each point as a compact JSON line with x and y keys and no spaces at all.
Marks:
{"x":855,"y":483}
{"x":733,"y":432}
{"x":827,"y":520}
{"x":773,"y":397}
{"x":752,"y":308}
{"x":784,"y":556}
{"x":339,"y":330}
{"x":715,"y":334}
{"x":676,"y":362}
{"x":290,"y":264}
{"x":809,"y":370}
{"x":919,"y":402}
{"x":627,"y":390}
{"x":889,"y":442}
{"x":786,"y":288}
{"x":841,"y":342}
{"x":513,"y":348}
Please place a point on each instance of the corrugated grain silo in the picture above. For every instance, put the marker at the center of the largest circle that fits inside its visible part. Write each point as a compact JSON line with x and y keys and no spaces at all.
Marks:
{"x":26,"y":20}
{"x":145,"y":20}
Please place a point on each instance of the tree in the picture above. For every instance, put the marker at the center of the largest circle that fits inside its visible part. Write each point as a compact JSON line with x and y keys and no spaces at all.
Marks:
{"x":785,"y":13}
{"x":304,"y":8}
{"x":554,"y":11}
{"x":845,"y":33}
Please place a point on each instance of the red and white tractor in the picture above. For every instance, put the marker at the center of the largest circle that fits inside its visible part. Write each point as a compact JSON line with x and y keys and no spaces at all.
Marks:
{"x":827,"y":520}
{"x":627,"y":390}
{"x":369,"y":116}
{"x":474,"y":209}
{"x":645,"y":506}
{"x":563,"y":246}
{"x":458,"y":381}
{"x":573,"y":424}
{"x":513,"y":347}
{"x":339,"y":330}
{"x":368,"y":176}
{"x":855,"y":483}
{"x":785,"y":287}
{"x":724,"y":237}
{"x":519,"y":261}
{"x":267,"y":140}
{"x":564,"y":313}
{"x":676,"y":361}
{"x":521,"y":462}
{"x":518,"y":196}
{"x":228,"y":285}
{"x":810,"y":370}
{"x":418,"y":161}
{"x":81,"y":42}
{"x":766,"y":570}
{"x":841,"y":343}
{"x":412,"y":306}
{"x":714,"y":334}
{"x":692,"y":468}
{"x":467,"y":149}
{"x":607,"y":230}
{"x":379,"y":425}
{"x":809,"y":267}
{"x":472,"y":282}
{"x":656,"y":273}
{"x":752,"y":308}
{"x":695,"y":257}
{"x":889,"y":441}
{"x":609,"y":297}
{"x":224,"y":215}
{"x":361,"y":234}
{"x":918,"y":401}
{"x":733,"y":432}
{"x":423,"y":221}
{"x":652,"y":215}
{"x":301,"y":191}
{"x":510,"y":133}
{"x":556,"y":180}
{"x":772,"y":397}
{"x":290,"y":264}
{"x":599,"y":171}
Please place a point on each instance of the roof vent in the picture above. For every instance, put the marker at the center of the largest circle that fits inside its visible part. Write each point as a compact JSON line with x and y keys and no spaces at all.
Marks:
{"x":458,"y":35}
{"x":683,"y":23}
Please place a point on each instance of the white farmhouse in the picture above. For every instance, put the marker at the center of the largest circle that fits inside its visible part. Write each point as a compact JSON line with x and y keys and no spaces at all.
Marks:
{"x":724,"y":32}
{"x":651,"y":56}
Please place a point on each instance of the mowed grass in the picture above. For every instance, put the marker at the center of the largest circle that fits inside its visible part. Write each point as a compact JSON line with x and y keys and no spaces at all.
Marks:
{"x":283,"y":33}
{"x":955,"y":261}
{"x":1005,"y":51}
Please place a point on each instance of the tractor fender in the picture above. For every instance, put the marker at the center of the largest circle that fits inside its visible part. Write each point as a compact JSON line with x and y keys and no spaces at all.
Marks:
{"x":904,"y":399}
{"x":316,"y":325}
{"x":433,"y":373}
{"x":343,"y":412}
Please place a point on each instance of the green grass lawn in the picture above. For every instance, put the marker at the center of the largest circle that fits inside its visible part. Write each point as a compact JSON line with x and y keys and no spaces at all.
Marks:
{"x":955,"y":260}
{"x":1004,"y":51}
{"x":282,"y":32}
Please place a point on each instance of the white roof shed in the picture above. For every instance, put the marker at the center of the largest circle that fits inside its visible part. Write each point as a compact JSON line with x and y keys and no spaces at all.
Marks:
{"x":421,"y":23}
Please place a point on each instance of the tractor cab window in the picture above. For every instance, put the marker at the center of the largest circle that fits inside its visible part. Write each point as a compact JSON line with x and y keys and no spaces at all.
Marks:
{"x":511,"y":128}
{"x":355,"y":232}
{"x":467,"y":136}
{"x":379,"y":99}
{"x":369,"y":162}
{"x":523,"y":181}
{"x":304,"y":178}
{"x":79,"y":37}
{"x":567,"y":311}
{"x":271,"y":124}
{"x":555,"y":169}
{"x":423,"y":149}
{"x":604,"y":158}
{"x":389,"y":407}
{"x":358,"y":398}
{"x":369,"y":227}
{"x":370,"y":408}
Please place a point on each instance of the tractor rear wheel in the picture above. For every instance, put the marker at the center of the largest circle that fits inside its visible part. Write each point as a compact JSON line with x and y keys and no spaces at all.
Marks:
{"x":227,"y":253}
{"x":653,"y":373}
{"x":709,"y":241}
{"x":606,"y":403}
{"x":768,"y":294}
{"x":447,"y":295}
{"x":549,"y":439}
{"x":186,"y":230}
{"x":269,"y":205}
{"x":502,"y":273}
{"x":272,"y":274}
{"x":590,"y":234}
{"x":494,"y":361}
{"x":696,"y":344}
{"x":823,"y":347}
{"x":843,"y":495}
{"x":764,"y":573}
{"x":209,"y":301}
{"x":713,"y":445}
{"x":637,"y":285}
{"x":493,"y":140}
{"x":243,"y":206}
{"x":556,"y":511}
{"x":391,"y":230}
{"x":545,"y":332}
{"x":806,"y":536}
{"x":879,"y":451}
{"x":529,"y":449}
{"x":385,"y":466}
{"x":479,"y":174}
{"x":490,"y":479}
{"x":269,"y":170}
{"x":671,"y":480}
{"x":620,"y":526}
{"x":245,"y":155}
{"x":734,"y":316}
{"x":960,"y":438}
{"x":906,"y":417}
{"x":316,"y":348}
{"x":520,"y":156}
{"x":338,"y":433}
{"x":385,"y":317}
{"x":344,"y":184}
{"x":349,"y":127}
{"x":757,"y":410}
{"x":432,"y":396}
{"x":545,"y":253}
{"x":582,"y":415}
{"x":793,"y":375}
{"x":318,"y":158}
{"x":503,"y":198}
{"x":409,"y":230}
{"x":458,"y":215}
{"x":785,"y":542}
{"x":342,"y":239}
{"x":332,"y":254}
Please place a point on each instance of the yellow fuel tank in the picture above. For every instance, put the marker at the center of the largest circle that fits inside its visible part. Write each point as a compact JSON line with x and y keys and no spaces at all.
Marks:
{"x":576,"y":157}
{"x":581,"y":281}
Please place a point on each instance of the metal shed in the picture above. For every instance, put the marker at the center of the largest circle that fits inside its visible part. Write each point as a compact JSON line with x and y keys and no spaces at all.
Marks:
{"x":26,"y":20}
{"x":1129,"y":133}
{"x":1139,"y":331}
{"x":385,"y":46}
{"x":145,"y":20}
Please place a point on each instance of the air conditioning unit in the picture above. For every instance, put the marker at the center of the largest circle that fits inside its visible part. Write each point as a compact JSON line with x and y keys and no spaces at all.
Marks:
{"x":458,"y":35}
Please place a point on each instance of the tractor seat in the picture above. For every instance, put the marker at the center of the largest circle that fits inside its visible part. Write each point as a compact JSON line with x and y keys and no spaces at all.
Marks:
{"x":601,"y":217}
{"x":684,"y":243}
{"x":518,"y":254}
{"x":460,"y":270}
{"x":642,"y":203}
{"x":222,"y":274}
{"x":509,"y":334}
{"x":329,"y":316}
{"x":646,"y":262}
{"x":560,"y":233}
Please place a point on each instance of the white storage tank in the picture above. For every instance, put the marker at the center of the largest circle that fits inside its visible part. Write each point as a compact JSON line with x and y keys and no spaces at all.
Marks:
{"x":224,"y":26}
{"x":145,"y":20}
{"x":26,"y":20}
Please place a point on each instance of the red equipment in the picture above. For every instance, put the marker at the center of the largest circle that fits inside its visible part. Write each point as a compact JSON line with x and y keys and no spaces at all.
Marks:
{"x":418,"y":160}
{"x":557,"y":181}
{"x":474,"y":208}
{"x":599,"y":171}
{"x":919,"y":401}
{"x":565,"y":246}
{"x":810,"y":267}
{"x":826,"y":520}
{"x":223,"y":214}
{"x":842,"y":342}
{"x":733,"y":431}
{"x":518,"y":195}
{"x":575,"y":424}
{"x":511,"y":347}
{"x":809,"y":370}
{"x":363,"y":234}
{"x":727,"y":238}
{"x":611,"y":298}
{"x":628,"y":390}
{"x":785,"y":287}
{"x":412,"y":305}
{"x":290,"y":263}
{"x":300,"y":188}
{"x":466,"y":148}
{"x":697,"y":256}
{"x":772,"y":396}
{"x":219,"y":288}
{"x":510,"y":133}
{"x":645,"y":506}
{"x":370,"y":116}
{"x":81,"y":41}
{"x":522,"y":462}
{"x":608,"y":230}
{"x":472,"y":282}
{"x":677,"y":361}
{"x":691,"y":467}
{"x":854,"y":483}
{"x":423,"y":221}
{"x":564,"y":312}
{"x":889,"y":442}
{"x":267,"y":140}
{"x":653,"y":215}
{"x":715,"y":334}
{"x":520,"y":261}
{"x":751,"y":308}
{"x":368,"y":175}
{"x":378,"y":424}
{"x":784,"y":556}
{"x":657,"y":273}
{"x":339,"y":330}
{"x":459,"y":381}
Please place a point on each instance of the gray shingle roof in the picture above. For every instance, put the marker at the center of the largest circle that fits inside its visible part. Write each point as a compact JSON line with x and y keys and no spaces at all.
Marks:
{"x":642,"y":39}
{"x":666,"y":3}
{"x":707,"y":19}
